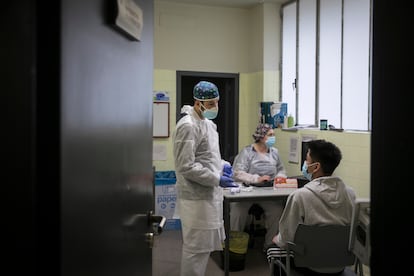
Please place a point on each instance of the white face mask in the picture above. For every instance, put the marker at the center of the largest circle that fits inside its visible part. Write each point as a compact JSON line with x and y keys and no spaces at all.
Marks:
{"x":210,"y":113}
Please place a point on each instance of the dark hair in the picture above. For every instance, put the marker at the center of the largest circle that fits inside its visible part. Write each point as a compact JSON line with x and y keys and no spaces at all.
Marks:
{"x":326,"y":153}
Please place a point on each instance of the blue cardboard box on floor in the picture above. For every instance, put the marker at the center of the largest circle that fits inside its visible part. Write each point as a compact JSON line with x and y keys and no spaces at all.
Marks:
{"x":166,"y":198}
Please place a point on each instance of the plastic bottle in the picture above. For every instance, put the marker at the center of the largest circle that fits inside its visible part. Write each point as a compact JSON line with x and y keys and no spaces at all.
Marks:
{"x":291,"y":121}
{"x":285,"y":121}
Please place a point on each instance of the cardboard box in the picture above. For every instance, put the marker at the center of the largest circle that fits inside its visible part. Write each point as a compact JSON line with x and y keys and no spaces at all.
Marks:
{"x":166,"y":198}
{"x":273,"y":113}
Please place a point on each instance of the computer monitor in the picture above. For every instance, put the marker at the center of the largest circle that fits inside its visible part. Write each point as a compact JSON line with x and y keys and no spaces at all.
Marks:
{"x":360,"y":241}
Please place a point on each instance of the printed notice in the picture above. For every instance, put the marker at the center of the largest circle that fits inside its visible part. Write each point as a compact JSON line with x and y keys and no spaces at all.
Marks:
{"x":293,"y":150}
{"x":159,"y":152}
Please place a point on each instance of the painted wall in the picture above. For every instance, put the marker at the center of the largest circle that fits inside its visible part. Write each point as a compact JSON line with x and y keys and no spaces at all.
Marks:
{"x":354,"y":168}
{"x":230,"y":40}
{"x":202,"y":38}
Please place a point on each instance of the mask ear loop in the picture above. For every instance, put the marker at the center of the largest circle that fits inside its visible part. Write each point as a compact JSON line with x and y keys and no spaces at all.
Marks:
{"x":202,"y":107}
{"x":314,"y":165}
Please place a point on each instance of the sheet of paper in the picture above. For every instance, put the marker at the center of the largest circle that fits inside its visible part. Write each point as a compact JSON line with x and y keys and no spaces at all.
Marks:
{"x":293,"y":149}
{"x":159,"y":152}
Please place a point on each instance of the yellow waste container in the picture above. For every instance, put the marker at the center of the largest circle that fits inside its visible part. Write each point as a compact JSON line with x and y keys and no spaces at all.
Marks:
{"x":239,"y":243}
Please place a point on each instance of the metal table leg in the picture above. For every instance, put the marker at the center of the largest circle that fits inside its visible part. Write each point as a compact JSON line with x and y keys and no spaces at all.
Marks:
{"x":227,"y":241}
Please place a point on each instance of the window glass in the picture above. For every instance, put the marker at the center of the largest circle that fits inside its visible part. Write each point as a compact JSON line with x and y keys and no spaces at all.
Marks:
{"x":330,"y":63}
{"x":329,"y":79}
{"x":306,"y":62}
{"x":356,"y":65}
{"x":289,"y":56}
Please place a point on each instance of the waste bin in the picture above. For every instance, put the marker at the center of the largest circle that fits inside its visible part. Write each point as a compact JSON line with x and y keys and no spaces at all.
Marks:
{"x":239,"y":243}
{"x":166,"y":198}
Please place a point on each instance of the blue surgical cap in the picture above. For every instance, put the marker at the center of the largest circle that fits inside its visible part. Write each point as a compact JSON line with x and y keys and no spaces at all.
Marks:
{"x":205,"y":91}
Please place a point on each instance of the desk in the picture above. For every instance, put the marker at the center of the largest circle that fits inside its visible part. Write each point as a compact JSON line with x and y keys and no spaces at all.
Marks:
{"x":257,"y":194}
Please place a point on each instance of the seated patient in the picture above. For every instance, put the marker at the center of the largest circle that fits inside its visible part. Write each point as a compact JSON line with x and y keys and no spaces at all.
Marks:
{"x":258,"y":162}
{"x":324,"y":200}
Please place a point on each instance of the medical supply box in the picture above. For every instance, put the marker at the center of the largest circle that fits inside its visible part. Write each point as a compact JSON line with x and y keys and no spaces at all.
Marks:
{"x":274,"y":113}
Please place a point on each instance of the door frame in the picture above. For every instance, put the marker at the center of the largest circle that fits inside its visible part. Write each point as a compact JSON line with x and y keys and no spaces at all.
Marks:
{"x":227,"y":120}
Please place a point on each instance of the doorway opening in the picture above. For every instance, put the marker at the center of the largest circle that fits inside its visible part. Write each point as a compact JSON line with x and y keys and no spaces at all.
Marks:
{"x":227,"y":120}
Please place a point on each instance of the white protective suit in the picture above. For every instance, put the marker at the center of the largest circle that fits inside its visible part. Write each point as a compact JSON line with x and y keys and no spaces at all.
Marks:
{"x":324,"y":200}
{"x":198,"y":167}
{"x":248,"y":166}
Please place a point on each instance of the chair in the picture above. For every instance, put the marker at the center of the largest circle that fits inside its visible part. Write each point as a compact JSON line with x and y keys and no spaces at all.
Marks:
{"x":314,"y":246}
{"x":359,"y":240}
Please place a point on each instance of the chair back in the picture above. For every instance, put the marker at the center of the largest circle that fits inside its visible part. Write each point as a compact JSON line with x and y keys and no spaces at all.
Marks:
{"x":359,"y":240}
{"x":322,"y":246}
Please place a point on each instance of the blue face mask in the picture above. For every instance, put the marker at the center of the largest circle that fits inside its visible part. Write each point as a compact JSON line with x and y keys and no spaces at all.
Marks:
{"x":270,"y":141}
{"x":305,"y":171}
{"x":210,"y":113}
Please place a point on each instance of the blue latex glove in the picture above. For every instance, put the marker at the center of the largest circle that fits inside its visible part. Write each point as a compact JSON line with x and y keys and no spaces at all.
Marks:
{"x":227,"y":170}
{"x":226,"y":182}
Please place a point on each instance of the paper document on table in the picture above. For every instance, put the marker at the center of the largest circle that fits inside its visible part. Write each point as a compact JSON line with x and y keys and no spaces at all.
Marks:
{"x":293,"y":149}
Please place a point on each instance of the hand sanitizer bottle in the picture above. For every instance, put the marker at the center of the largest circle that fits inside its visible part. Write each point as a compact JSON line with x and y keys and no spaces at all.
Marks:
{"x":291,"y":121}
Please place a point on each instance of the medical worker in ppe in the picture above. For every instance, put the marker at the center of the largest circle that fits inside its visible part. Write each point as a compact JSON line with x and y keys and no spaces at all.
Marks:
{"x":256,"y":163}
{"x":201,"y":175}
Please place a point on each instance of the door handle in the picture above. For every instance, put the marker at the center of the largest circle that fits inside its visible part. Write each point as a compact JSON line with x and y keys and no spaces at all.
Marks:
{"x":133,"y":222}
{"x":157,"y":222}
